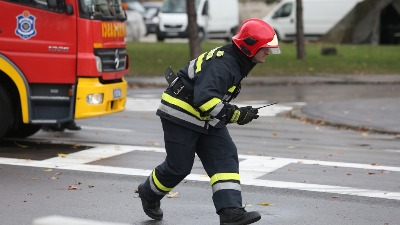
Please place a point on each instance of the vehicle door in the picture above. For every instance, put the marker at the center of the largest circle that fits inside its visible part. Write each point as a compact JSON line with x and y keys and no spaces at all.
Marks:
{"x":40,"y":41}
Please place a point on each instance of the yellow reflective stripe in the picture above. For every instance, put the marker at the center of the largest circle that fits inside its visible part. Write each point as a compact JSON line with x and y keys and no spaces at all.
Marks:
{"x":220,"y":53}
{"x":158,"y":184}
{"x":199,"y":62}
{"x":184,"y":105}
{"x":232,"y":89}
{"x":224,"y":176}
{"x":211,"y":53}
{"x":235,"y":116}
{"x":208,"y":105}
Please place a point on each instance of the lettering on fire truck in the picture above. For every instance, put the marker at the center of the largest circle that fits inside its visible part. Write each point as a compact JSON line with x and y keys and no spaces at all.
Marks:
{"x":110,"y":29}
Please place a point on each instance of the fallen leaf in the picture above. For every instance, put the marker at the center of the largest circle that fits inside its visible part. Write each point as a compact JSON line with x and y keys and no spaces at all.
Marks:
{"x":91,"y":186}
{"x":265,"y":204}
{"x":19,"y":145}
{"x":365,"y":134}
{"x":62,"y":155}
{"x":75,"y":146}
{"x":335,"y":196}
{"x":375,"y":164}
{"x":71,"y":187}
{"x":34,"y":178}
{"x":173,"y":195}
{"x":47,"y":170}
{"x":371,"y":173}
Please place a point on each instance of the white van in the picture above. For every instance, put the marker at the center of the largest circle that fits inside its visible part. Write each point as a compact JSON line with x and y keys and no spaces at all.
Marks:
{"x":319,"y":16}
{"x":215,"y":19}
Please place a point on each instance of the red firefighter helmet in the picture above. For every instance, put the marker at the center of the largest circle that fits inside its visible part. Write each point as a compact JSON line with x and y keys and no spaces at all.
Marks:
{"x":254,"y":34}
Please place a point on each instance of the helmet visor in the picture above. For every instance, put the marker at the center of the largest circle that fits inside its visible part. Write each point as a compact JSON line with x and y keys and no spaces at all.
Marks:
{"x":275,"y":50}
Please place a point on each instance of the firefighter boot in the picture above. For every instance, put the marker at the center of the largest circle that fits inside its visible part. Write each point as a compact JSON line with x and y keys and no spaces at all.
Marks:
{"x":152,"y":209}
{"x":237,"y":216}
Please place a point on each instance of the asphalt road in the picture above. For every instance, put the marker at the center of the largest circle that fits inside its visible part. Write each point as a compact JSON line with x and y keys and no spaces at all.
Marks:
{"x":293,"y":171}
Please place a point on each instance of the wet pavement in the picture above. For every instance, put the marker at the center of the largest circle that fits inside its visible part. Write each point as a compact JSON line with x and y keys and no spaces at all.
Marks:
{"x":372,"y":112}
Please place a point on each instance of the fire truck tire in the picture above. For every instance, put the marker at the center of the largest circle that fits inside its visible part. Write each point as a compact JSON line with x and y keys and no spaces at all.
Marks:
{"x":6,"y":114}
{"x":24,"y":130}
{"x":18,"y":128}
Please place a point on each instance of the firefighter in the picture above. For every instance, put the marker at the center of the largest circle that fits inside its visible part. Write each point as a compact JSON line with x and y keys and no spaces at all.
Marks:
{"x":194,"y":112}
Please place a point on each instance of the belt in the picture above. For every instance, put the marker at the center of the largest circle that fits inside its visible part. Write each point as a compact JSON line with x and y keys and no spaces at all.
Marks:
{"x":176,"y":85}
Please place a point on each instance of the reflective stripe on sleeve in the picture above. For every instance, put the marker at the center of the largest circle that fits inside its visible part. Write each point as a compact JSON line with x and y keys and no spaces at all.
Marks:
{"x":217,"y":109}
{"x":191,"y":69}
{"x":232,"y":89}
{"x":209,"y":104}
{"x":199,"y":62}
{"x":211,"y":53}
{"x":224,"y":176}
{"x":226,"y":186}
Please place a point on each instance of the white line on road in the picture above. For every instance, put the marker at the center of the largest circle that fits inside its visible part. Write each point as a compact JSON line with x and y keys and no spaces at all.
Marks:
{"x":106,"y":129}
{"x":251,"y":169}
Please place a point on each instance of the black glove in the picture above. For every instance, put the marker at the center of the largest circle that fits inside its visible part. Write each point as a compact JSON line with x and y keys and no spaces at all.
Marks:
{"x":241,"y":115}
{"x":247,"y":114}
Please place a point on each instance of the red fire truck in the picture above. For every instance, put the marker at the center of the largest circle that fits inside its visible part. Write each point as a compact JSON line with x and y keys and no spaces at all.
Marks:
{"x":60,"y":60}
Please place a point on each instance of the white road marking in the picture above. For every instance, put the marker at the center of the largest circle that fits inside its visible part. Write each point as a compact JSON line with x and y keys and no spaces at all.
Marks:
{"x":151,"y":105}
{"x":106,"y":129}
{"x":251,"y":168}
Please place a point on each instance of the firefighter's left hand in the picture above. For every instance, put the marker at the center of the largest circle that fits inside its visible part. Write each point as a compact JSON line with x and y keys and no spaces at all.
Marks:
{"x":247,"y":114}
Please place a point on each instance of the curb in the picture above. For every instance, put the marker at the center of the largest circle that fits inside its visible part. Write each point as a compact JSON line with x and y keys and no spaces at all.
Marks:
{"x":159,"y":81}
{"x":297,"y":114}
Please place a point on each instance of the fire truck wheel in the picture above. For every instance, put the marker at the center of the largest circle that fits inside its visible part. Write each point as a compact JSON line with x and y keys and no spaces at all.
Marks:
{"x":6,"y":115}
{"x":23,"y":130}
{"x":19,"y":129}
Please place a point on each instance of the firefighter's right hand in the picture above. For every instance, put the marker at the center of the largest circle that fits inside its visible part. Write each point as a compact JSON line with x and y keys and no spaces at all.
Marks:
{"x":244,"y":115}
{"x":247,"y":114}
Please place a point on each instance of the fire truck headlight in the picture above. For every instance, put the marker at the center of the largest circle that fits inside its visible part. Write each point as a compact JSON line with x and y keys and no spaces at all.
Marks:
{"x":94,"y":99}
{"x":98,"y":64}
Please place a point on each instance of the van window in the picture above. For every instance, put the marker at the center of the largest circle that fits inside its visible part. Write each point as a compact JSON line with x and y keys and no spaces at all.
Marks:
{"x":284,"y":11}
{"x":176,"y":6}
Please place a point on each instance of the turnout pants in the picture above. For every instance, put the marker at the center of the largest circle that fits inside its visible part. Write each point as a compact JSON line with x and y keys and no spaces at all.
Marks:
{"x":217,"y":153}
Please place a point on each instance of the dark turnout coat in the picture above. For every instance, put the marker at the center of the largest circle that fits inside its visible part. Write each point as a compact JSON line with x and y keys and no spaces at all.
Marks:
{"x":210,"y":81}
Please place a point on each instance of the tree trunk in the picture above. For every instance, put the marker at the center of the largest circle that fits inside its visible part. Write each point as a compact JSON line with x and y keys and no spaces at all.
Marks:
{"x":301,"y":52}
{"x":194,"y":41}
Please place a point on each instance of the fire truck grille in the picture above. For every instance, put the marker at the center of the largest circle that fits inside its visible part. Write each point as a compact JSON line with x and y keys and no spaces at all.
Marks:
{"x":112,"y":59}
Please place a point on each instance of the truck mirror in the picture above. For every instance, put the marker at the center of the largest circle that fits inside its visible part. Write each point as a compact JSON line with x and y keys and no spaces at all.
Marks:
{"x":52,"y":4}
{"x":61,"y":6}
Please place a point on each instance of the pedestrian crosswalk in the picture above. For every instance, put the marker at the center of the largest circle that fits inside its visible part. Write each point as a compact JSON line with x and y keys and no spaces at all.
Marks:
{"x":252,"y":169}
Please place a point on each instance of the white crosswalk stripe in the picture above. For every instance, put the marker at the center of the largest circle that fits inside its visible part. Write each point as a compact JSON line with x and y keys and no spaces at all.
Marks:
{"x":251,"y":169}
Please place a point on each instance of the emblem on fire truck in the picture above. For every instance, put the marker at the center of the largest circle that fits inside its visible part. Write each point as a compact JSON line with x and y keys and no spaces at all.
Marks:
{"x":25,"y":25}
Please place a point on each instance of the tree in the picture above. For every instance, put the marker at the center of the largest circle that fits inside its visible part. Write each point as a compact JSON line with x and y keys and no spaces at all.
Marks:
{"x":301,"y":53}
{"x":194,"y":40}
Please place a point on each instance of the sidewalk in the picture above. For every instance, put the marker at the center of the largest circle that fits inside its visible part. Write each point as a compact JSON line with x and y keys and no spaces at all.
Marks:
{"x":284,"y":79}
{"x":375,"y":115}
